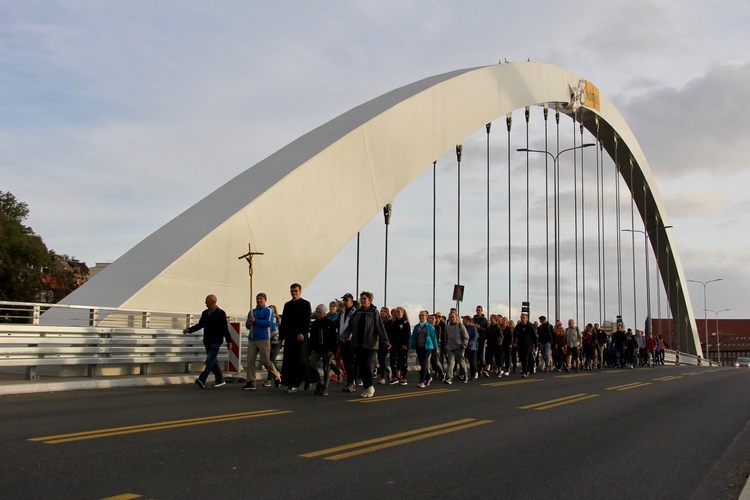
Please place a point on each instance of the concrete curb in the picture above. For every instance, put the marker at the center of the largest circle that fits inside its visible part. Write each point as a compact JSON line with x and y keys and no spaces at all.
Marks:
{"x":29,"y":387}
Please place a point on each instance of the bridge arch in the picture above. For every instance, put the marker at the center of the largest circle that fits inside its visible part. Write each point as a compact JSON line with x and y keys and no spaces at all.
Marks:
{"x":372,"y":151}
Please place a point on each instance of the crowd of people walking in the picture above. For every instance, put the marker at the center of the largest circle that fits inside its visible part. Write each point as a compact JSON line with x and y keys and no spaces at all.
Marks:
{"x":355,"y":344}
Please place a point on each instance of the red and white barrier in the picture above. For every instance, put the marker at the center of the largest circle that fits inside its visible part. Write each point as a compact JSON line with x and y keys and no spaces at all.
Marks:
{"x":235,"y":366}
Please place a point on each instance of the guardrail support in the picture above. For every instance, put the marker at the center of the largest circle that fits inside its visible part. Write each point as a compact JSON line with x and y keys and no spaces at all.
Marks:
{"x":93,"y":317}
{"x":31,"y":373}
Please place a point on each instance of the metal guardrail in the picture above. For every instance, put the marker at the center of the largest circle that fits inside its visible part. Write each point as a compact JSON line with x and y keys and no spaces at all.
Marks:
{"x":122,"y":338}
{"x":31,"y":347}
{"x":34,"y":313}
{"x":98,"y":337}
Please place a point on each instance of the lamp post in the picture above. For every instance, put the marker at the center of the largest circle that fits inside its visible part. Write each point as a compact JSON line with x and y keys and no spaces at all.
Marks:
{"x":718,"y":348}
{"x":648,"y":279}
{"x":387,"y":210}
{"x":705,"y":319}
{"x":554,"y":164}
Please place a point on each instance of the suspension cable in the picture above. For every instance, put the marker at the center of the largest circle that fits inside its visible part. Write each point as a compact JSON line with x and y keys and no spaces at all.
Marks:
{"x":546,"y":199}
{"x":575,"y":212}
{"x":356,"y":289}
{"x":557,"y":214}
{"x":658,"y":273}
{"x":618,"y":228}
{"x":648,"y":328}
{"x":632,"y":241}
{"x":599,"y":221}
{"x":583,"y":223}
{"x":508,"y":122}
{"x":527,"y":112}
{"x":459,"y":151}
{"x":434,"y":232}
{"x":488,"y":126}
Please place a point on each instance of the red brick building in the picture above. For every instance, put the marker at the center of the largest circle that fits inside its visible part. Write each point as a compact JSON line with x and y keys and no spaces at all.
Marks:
{"x":733,"y":337}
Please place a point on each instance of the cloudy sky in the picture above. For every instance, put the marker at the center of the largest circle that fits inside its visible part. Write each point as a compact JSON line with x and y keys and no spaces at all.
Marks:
{"x":115,"y":117}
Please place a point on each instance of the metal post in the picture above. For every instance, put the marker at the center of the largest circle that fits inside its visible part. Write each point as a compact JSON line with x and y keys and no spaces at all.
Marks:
{"x":387,"y":210}
{"x":718,"y":343}
{"x":705,"y":318}
{"x":488,"y":126}
{"x":459,"y":151}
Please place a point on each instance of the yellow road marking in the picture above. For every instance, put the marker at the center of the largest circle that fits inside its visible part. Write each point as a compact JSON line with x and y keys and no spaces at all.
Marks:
{"x":385,"y":438}
{"x":395,"y":439}
{"x":513,"y":382}
{"x":574,"y":375}
{"x":173,"y":424}
{"x":552,"y":403}
{"x":670,"y":377}
{"x":694,"y":373}
{"x":378,"y":399}
{"x":626,"y":387}
{"x":124,"y":496}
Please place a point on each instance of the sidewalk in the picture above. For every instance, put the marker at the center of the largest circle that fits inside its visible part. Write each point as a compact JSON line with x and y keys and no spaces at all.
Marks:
{"x":15,"y":384}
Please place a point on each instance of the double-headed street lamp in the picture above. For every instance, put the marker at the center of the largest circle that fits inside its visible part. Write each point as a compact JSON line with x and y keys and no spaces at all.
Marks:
{"x":648,"y":280}
{"x":557,"y":215}
{"x":718,"y":344}
{"x":705,"y":318}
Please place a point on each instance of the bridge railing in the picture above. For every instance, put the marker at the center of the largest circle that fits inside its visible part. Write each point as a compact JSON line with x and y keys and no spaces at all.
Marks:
{"x":110,"y":341}
{"x":119,"y":342}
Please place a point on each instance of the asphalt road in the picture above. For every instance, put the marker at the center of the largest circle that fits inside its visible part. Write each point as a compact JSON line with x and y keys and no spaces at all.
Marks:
{"x":668,"y":432}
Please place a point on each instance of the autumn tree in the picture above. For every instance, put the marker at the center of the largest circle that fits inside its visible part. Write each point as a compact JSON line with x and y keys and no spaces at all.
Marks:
{"x":22,"y":253}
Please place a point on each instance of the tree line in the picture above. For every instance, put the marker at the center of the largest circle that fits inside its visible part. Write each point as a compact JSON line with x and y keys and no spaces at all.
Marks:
{"x":29,"y":271}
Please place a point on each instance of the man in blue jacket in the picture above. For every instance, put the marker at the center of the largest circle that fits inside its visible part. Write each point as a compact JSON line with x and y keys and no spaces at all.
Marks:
{"x":260,"y":322}
{"x":215,"y":329}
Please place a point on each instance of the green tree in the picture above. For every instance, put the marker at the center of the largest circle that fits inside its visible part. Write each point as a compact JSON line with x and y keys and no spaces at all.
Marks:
{"x":12,"y":208}
{"x":22,"y":253}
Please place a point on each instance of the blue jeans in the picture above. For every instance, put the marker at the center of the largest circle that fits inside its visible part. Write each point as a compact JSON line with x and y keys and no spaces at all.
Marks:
{"x":212,"y":352}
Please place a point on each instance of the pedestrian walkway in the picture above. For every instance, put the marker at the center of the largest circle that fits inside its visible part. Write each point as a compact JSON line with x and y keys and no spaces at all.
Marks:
{"x":15,"y":384}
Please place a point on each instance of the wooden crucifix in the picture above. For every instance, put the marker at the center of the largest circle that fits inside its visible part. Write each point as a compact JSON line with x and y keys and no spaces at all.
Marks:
{"x":249,"y":258}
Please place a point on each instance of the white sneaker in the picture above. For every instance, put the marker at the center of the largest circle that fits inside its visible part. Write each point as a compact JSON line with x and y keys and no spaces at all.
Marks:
{"x":369,"y":392}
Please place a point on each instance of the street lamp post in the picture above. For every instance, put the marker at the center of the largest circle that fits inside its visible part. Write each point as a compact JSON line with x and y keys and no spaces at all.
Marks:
{"x":554,"y":162}
{"x":705,"y":318}
{"x":718,"y":344}
{"x":387,"y":210}
{"x":648,"y":279}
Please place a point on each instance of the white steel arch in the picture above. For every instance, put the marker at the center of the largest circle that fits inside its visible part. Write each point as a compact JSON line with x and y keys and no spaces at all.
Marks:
{"x":372,"y":151}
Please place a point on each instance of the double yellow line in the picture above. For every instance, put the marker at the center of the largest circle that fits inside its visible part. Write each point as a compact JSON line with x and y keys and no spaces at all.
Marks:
{"x":381,"y":443}
{"x":156,"y":426}
{"x":513,"y":382}
{"x":627,"y":387}
{"x":553,"y":403}
{"x":403,"y":395}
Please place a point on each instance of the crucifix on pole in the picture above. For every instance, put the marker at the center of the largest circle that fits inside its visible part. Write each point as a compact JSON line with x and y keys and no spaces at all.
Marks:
{"x":249,"y":258}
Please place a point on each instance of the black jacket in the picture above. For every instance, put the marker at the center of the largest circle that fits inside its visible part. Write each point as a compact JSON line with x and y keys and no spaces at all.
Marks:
{"x":215,"y":327}
{"x":323,"y":335}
